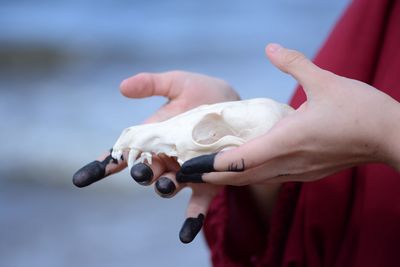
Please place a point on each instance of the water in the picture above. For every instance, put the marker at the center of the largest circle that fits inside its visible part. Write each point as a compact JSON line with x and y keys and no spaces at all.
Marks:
{"x":61,"y":63}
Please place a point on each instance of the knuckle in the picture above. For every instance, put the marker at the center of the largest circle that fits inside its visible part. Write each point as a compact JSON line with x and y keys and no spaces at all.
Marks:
{"x":293,"y":58}
{"x":330,"y":80}
{"x":177,"y":74}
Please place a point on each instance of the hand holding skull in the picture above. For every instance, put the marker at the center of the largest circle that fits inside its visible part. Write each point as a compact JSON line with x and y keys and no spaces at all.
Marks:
{"x":185,"y":91}
{"x":343,"y":123}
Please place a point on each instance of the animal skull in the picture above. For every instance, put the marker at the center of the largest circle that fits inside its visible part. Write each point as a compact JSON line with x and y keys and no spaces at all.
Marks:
{"x":205,"y":129}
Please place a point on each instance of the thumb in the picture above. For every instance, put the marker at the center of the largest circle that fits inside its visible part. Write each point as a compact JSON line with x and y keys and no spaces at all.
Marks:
{"x":154,"y":84}
{"x":149,"y":84}
{"x":309,"y":75}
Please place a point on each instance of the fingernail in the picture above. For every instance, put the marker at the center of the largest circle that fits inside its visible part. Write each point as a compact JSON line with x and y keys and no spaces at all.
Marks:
{"x":89,"y":174}
{"x":190,"y":228}
{"x":199,"y":164}
{"x":189,"y":178}
{"x":142,"y":174}
{"x":165,"y":186}
{"x":273,"y":48}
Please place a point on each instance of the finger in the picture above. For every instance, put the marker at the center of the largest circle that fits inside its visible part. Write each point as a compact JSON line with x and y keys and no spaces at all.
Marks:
{"x":167,"y":186}
{"x":146,"y":174}
{"x":296,"y":64}
{"x":195,"y":177}
{"x":309,"y":176}
{"x":251,"y":176}
{"x":279,"y":170}
{"x":246,"y":156}
{"x":275,"y":166}
{"x":171,"y":163}
{"x":197,"y":209}
{"x":149,"y":84}
{"x":104,"y":166}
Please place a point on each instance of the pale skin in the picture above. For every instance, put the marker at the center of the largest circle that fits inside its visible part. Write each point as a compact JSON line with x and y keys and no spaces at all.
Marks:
{"x":342,"y":124}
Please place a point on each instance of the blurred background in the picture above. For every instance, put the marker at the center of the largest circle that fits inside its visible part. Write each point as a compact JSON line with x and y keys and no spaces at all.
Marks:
{"x":61,"y":63}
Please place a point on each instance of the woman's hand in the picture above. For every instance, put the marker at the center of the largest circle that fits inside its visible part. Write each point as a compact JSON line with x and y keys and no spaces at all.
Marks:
{"x":184,"y":91}
{"x":343,"y":123}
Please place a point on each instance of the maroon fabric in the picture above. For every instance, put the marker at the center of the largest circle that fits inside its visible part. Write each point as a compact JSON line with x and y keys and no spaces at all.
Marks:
{"x":349,"y":219}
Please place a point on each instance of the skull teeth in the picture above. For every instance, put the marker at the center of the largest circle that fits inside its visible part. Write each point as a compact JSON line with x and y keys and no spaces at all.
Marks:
{"x":116,"y":154}
{"x":171,"y":154}
{"x":144,"y":156}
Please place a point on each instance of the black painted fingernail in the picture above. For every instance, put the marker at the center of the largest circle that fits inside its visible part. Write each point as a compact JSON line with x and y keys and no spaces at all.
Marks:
{"x":165,"y":186}
{"x":142,"y":173}
{"x":92,"y":172}
{"x":89,"y":174}
{"x":190,"y":228}
{"x":189,"y":178}
{"x":199,"y":164}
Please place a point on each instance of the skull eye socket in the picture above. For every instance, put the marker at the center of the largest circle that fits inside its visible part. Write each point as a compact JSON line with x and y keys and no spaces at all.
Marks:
{"x":211,"y":129}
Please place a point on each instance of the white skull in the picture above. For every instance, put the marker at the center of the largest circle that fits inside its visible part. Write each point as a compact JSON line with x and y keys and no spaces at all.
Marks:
{"x":203,"y":130}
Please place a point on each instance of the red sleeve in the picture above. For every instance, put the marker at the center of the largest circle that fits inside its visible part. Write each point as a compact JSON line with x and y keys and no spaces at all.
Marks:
{"x":235,"y":233}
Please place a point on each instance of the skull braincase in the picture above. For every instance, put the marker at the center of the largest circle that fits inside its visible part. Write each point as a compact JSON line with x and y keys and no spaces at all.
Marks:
{"x":205,"y":129}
